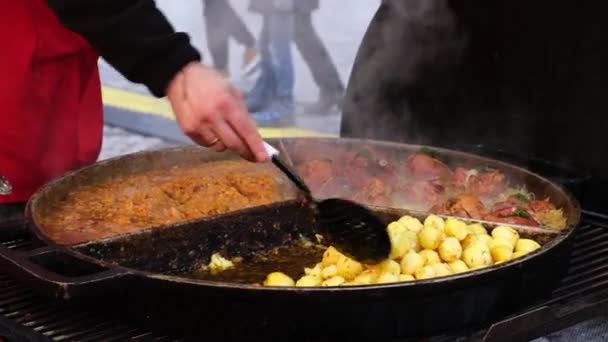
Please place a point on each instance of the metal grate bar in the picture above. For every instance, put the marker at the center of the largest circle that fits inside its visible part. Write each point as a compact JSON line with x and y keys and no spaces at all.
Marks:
{"x":17,"y":245}
{"x":585,"y":230}
{"x":106,"y":334}
{"x":593,"y":265}
{"x":143,"y":337}
{"x":65,"y":323}
{"x":9,"y":305}
{"x":149,"y":336}
{"x":41,"y":316}
{"x":19,"y":311}
{"x":122,"y":336}
{"x":582,"y":246}
{"x":593,"y":251}
{"x":10,"y":288}
{"x":84,"y":330}
{"x":595,"y":286}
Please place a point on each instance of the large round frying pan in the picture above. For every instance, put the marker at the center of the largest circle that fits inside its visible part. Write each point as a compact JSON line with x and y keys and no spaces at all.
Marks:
{"x":141,"y":275}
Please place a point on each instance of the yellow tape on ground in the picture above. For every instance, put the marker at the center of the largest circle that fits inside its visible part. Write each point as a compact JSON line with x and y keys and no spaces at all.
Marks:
{"x":150,"y":105}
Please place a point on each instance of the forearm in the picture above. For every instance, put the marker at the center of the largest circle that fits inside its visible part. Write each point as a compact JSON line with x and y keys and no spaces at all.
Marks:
{"x":132,"y":35}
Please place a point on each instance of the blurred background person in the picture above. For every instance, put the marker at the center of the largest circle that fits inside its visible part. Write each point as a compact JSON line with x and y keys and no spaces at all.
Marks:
{"x":271,"y":100}
{"x":316,"y":56}
{"x":221,"y":23}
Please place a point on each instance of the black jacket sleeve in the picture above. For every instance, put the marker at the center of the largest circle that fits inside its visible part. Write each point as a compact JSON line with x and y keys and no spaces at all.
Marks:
{"x":132,"y":35}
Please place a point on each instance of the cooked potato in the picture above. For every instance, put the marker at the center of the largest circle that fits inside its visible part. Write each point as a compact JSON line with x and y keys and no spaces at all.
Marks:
{"x":329,"y":271}
{"x":519,"y":255}
{"x":411,"y":263}
{"x":456,"y":228}
{"x":315,"y":271}
{"x":406,"y":277}
{"x":434,"y":221}
{"x":507,"y":233}
{"x":388,"y":266}
{"x":333,"y":281}
{"x":309,"y":281}
{"x":430,"y":238}
{"x":501,"y":253}
{"x":450,"y":249}
{"x":278,"y":279}
{"x":348,"y":268}
{"x":477,"y":229}
{"x":485,"y":239}
{"x":436,"y":248}
{"x":411,"y":223}
{"x":458,"y":266}
{"x":219,"y":264}
{"x":430,"y":257}
{"x":501,"y":241}
{"x":526,"y":245}
{"x":477,"y":255}
{"x":331,"y":257}
{"x":442,"y":270}
{"x":469,"y":240}
{"x":414,"y":241}
{"x":386,"y":278}
{"x":426,"y":272}
{"x":481,"y":238}
{"x":400,"y":243}
{"x":366,"y":277}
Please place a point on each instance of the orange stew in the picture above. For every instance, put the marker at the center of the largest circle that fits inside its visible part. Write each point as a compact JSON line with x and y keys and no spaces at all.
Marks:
{"x":158,"y":198}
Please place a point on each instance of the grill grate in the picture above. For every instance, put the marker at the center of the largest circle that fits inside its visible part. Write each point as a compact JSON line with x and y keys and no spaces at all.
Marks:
{"x":35,"y":318}
{"x":41,"y":319}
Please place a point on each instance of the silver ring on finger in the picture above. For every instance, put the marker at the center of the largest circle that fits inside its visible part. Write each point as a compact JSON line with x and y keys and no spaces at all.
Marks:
{"x":213,"y":142}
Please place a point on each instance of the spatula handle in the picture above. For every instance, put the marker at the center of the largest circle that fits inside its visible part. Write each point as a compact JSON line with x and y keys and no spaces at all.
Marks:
{"x":293,"y":176}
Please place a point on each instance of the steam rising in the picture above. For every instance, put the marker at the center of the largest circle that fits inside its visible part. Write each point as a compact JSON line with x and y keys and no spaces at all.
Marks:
{"x":414,"y":38}
{"x":422,"y":77}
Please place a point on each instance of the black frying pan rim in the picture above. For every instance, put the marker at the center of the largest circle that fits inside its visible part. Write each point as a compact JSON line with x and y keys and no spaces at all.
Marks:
{"x":470,"y":275}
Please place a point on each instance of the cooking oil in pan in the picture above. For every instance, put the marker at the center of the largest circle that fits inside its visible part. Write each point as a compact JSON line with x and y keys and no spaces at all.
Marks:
{"x":290,"y":260}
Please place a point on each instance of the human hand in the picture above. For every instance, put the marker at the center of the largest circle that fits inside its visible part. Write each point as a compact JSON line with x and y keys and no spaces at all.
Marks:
{"x":213,"y":114}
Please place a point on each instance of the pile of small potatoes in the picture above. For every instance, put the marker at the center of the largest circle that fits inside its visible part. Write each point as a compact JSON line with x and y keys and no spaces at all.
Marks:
{"x":436,"y":248}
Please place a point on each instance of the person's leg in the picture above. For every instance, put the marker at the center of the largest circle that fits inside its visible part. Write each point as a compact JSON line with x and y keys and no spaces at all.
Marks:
{"x":235,"y":25}
{"x":319,"y":62}
{"x":260,"y":96}
{"x":281,"y":36}
{"x":280,"y":27}
{"x":217,"y":33}
{"x":239,"y":31}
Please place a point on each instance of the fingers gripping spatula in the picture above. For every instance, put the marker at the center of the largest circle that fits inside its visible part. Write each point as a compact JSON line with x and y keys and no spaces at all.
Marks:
{"x":352,"y":228}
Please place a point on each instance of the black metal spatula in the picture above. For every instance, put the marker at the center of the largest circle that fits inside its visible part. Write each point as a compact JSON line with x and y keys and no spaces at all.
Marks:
{"x":351,"y":228}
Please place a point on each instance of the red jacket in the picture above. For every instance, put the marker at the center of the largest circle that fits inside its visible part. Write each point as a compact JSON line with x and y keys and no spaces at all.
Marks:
{"x":50,"y":98}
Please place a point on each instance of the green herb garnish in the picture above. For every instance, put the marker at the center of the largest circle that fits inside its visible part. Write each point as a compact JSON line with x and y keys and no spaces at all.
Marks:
{"x":365,"y":153}
{"x":522,"y":197}
{"x":483,"y":168}
{"x":427,"y":151}
{"x":521,"y":213}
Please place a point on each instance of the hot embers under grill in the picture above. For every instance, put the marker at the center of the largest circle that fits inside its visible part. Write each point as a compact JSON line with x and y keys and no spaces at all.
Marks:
{"x":583,"y":293}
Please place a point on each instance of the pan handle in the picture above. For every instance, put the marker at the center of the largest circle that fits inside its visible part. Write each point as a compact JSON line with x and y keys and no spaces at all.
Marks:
{"x":29,"y":268}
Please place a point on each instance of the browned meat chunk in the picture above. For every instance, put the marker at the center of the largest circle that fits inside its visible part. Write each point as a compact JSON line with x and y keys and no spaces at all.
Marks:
{"x":463,"y":205}
{"x":421,"y":166}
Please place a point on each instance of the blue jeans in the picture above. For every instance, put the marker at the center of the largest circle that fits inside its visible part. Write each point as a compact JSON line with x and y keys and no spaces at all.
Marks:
{"x":277,"y":80}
